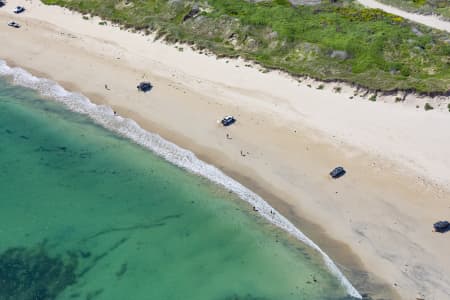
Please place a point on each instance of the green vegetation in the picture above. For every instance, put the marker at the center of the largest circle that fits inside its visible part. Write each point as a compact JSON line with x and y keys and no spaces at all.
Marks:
{"x":333,"y":41}
{"x":448,"y":106}
{"x":439,"y":7}
{"x":428,"y":106}
{"x":320,"y":87}
{"x":373,"y":98}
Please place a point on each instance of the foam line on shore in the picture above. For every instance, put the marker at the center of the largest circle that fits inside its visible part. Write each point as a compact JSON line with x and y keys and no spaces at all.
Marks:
{"x":104,"y":116}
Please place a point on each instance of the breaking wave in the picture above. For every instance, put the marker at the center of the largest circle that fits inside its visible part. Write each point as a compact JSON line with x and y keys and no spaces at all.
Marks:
{"x":104,"y":116}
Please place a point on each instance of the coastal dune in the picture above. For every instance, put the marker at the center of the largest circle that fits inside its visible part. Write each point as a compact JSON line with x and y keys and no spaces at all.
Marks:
{"x":375,"y":222}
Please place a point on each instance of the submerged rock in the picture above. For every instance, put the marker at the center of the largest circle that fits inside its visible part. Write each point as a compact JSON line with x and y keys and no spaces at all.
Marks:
{"x":31,"y":274}
{"x":245,"y":297}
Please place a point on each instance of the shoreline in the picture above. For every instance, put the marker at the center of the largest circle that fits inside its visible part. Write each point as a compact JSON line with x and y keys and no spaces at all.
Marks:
{"x":293,"y":156}
{"x":177,"y":156}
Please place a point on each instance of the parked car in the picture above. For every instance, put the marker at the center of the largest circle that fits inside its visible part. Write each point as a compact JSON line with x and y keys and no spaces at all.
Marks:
{"x":441,"y":226}
{"x":2,"y":3}
{"x":19,"y":9}
{"x":14,"y":24}
{"x":337,"y":172}
{"x":228,"y":120}
{"x":144,"y":86}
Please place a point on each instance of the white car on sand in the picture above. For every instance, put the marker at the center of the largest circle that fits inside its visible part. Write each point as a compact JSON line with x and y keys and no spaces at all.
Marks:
{"x":14,"y":24}
{"x":19,"y":9}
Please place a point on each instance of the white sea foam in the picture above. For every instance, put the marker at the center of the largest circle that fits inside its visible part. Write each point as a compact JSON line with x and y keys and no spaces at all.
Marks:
{"x":104,"y":116}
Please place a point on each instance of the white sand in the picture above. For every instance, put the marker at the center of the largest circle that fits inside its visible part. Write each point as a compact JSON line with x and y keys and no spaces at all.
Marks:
{"x":397,"y":156}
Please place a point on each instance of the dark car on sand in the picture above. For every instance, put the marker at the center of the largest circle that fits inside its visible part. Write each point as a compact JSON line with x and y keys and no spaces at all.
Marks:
{"x":228,"y":120}
{"x":441,"y":226}
{"x":144,"y":86}
{"x":337,"y":172}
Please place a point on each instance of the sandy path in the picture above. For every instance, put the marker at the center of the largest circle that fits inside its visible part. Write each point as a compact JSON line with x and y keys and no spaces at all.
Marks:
{"x":291,"y":135}
{"x":430,"y":20}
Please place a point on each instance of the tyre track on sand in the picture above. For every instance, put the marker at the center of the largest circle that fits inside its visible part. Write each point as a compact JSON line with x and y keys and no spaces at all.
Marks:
{"x":428,"y":20}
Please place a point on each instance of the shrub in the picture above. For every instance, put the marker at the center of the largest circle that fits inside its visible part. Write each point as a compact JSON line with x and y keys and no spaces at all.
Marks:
{"x":337,"y":89}
{"x":320,"y":87}
{"x":373,"y":98}
{"x":428,"y":106}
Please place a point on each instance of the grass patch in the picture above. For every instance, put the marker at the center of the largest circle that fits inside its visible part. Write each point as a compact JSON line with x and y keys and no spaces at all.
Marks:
{"x":428,"y":106}
{"x":331,"y":41}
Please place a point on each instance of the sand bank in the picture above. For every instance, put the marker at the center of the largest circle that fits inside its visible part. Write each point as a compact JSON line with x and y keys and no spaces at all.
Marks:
{"x":287,"y":138}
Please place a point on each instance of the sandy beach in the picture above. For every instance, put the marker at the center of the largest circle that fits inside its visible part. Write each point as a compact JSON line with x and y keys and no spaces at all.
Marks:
{"x":375,"y":222}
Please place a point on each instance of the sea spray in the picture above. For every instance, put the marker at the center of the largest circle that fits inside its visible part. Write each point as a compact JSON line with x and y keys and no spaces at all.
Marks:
{"x":104,"y":116}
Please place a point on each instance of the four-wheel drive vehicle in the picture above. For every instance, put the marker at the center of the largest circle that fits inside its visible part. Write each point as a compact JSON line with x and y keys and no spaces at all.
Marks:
{"x":144,"y":86}
{"x":228,"y":120}
{"x":441,"y":226}
{"x":19,"y":9}
{"x":337,"y":172}
{"x":14,"y":24}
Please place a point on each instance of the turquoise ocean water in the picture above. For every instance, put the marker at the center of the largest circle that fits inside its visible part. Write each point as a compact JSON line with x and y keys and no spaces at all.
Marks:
{"x":86,"y":214}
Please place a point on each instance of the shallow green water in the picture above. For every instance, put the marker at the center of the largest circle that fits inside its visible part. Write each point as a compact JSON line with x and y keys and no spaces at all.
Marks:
{"x":88,"y":215}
